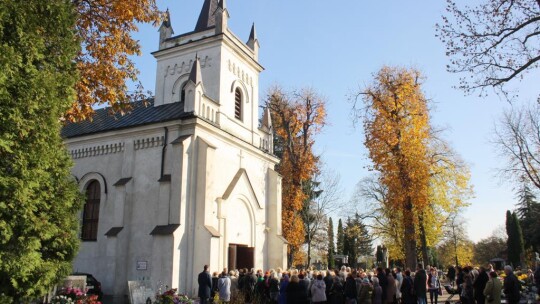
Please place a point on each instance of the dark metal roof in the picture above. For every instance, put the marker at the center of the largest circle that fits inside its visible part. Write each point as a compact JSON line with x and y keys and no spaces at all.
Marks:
{"x":164,"y":229}
{"x":122,"y":181}
{"x":114,"y":231}
{"x":207,"y":19}
{"x":141,"y":114}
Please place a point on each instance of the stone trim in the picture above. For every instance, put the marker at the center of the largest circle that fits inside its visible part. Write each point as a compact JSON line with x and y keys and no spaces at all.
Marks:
{"x":149,"y":142}
{"x":97,"y":150}
{"x":213,"y":231}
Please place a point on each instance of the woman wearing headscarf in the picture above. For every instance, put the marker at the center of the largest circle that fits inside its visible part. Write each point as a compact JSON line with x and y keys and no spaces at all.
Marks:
{"x":376,"y":296}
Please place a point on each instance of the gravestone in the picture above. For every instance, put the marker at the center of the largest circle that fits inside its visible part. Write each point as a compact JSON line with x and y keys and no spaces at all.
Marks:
{"x":75,"y":281}
{"x":140,"y":292}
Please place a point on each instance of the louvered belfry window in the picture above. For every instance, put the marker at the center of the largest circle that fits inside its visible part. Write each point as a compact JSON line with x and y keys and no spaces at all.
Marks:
{"x":238,"y":104}
{"x":91,"y":212}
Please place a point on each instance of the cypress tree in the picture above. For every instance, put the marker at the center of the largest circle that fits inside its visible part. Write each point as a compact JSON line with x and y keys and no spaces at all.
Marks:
{"x":39,"y":200}
{"x":515,"y":239}
{"x":331,"y":245}
{"x":520,"y":248}
{"x":510,"y":246}
{"x":340,"y":238}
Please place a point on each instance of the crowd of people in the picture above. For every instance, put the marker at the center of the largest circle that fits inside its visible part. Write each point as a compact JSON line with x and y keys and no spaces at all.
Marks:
{"x":358,"y":286}
{"x":483,"y":285}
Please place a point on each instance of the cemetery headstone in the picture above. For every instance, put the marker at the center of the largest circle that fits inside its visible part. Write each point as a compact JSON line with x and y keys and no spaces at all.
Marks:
{"x":140,"y":292}
{"x":75,"y":281}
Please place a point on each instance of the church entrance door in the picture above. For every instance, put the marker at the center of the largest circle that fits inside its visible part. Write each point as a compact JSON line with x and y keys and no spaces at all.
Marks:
{"x":241,"y":256}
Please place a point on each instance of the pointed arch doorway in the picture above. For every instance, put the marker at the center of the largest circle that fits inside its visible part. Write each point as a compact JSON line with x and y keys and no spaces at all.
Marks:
{"x":239,"y":205}
{"x":240,"y":233}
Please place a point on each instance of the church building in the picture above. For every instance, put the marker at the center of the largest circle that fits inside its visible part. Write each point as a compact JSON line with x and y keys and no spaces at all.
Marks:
{"x":187,"y":178}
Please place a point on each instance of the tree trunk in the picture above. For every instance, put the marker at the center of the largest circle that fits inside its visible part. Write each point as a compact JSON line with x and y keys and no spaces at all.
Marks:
{"x":291,"y":257}
{"x":309,"y":248}
{"x":410,"y":236}
{"x":423,"y":240}
{"x":455,"y":243}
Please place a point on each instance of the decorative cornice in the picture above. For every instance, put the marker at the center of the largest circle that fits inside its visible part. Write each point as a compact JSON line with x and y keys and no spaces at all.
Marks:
{"x":97,"y":150}
{"x":150,"y":142}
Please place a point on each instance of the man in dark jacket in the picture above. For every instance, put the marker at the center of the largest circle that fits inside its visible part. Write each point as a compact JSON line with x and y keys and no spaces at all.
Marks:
{"x":329,"y":282}
{"x":383,"y":282}
{"x":407,"y":289}
{"x":512,"y":287}
{"x":420,"y":284}
{"x":250,"y":280}
{"x":479,"y":285}
{"x":205,"y":285}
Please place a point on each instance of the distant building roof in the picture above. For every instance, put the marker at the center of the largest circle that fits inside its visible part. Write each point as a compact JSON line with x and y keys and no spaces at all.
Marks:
{"x":140,"y":114}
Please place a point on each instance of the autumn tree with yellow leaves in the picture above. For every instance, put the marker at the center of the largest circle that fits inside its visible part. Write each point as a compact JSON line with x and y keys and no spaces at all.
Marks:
{"x":449,"y":191}
{"x":420,"y":181}
{"x":104,"y":29}
{"x":397,"y":130}
{"x":297,"y":117}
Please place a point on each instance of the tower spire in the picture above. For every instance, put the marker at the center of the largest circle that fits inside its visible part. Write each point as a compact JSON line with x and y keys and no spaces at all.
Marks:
{"x":207,"y":19}
{"x":253,"y":42}
{"x":195,"y":74}
{"x":252,"y":36}
{"x":222,"y":17}
{"x":165,"y":30}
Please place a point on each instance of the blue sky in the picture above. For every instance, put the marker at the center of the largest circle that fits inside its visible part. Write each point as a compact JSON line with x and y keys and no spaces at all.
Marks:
{"x":335,"y":47}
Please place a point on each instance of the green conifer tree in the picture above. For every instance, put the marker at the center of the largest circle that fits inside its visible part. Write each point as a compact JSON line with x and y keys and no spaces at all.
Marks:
{"x":39,"y":200}
{"x":520,"y":247}
{"x":340,"y":238}
{"x":331,"y":244}
{"x":357,"y":241}
{"x":515,"y":239}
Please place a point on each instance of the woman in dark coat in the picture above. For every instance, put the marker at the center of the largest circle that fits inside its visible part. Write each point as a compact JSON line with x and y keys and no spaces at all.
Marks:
{"x":391,"y":286}
{"x":282,"y":289}
{"x":336,"y":293}
{"x":350,"y":289}
{"x":407,"y":295}
{"x":295,"y":293}
{"x":479,"y":285}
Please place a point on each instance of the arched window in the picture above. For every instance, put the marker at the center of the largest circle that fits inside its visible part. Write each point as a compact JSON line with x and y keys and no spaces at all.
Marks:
{"x":238,"y":104}
{"x":91,"y":212}
{"x":183,"y":92}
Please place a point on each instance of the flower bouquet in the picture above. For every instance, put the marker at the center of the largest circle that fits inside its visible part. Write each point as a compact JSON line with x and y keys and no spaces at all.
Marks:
{"x":75,"y":296}
{"x":171,"y":297}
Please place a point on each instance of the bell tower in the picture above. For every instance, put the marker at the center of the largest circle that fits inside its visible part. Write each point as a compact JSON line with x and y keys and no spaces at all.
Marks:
{"x":228,"y":69}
